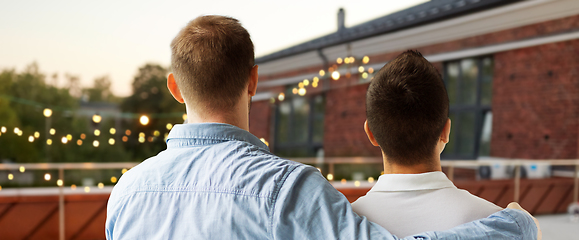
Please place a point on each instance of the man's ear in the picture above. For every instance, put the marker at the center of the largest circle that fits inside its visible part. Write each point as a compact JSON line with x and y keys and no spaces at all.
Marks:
{"x":370,"y":134}
{"x":445,"y":135}
{"x":252,"y":88}
{"x":174,"y":89}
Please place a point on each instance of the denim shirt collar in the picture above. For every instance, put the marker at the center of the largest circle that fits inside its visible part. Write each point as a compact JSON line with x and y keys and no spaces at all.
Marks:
{"x":199,"y":134}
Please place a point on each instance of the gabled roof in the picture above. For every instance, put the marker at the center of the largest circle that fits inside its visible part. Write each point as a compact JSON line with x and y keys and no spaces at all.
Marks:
{"x":429,"y":12}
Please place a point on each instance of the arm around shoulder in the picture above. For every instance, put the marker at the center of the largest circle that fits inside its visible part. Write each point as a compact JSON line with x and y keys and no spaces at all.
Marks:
{"x":506,"y":224}
{"x":307,"y":206}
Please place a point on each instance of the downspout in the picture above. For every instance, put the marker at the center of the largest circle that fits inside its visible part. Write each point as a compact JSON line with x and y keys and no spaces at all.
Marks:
{"x":326,"y":65}
{"x":326,"y":87}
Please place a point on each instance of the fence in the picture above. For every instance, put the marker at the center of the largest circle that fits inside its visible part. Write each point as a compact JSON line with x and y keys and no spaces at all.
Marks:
{"x":330,"y":161}
{"x":61,"y":167}
{"x":452,"y":164}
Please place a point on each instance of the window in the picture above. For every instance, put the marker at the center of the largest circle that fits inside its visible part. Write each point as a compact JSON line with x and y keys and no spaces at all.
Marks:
{"x":299,"y":125}
{"x":469,"y":85}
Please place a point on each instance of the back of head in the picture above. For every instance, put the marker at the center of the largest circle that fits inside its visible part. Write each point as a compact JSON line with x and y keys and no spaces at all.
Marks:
{"x":212,"y":58}
{"x":407,"y":108}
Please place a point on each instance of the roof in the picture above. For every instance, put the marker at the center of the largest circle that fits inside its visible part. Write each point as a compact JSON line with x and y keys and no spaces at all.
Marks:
{"x":422,"y":14}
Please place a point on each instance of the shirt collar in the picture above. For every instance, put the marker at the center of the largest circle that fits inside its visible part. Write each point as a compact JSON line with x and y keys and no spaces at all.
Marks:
{"x":412,"y":182}
{"x":203,"y":133}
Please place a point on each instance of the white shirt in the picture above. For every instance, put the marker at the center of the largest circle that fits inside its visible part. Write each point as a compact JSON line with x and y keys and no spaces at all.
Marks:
{"x":407,"y":204}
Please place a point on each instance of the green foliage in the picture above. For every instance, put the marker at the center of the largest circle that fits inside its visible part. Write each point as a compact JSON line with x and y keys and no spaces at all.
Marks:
{"x":151,"y":97}
{"x":101,"y":91}
{"x":24,"y":95}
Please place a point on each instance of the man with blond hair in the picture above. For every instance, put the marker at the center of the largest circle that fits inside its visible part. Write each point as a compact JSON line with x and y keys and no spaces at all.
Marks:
{"x":216,"y":180}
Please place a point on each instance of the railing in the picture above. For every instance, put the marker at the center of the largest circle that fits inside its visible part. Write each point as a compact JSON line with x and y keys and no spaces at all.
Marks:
{"x":452,"y":164}
{"x":61,"y":167}
{"x":330,"y":161}
{"x":517,"y":163}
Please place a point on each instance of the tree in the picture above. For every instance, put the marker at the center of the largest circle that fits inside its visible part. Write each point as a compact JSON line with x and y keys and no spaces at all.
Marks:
{"x":73,"y":85}
{"x":24,"y":96}
{"x":101,"y":91}
{"x":152,"y":98}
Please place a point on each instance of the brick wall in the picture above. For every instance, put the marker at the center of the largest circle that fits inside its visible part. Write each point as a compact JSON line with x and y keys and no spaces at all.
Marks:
{"x":260,"y":119}
{"x":535,"y":97}
{"x":536,"y":102}
{"x":344,"y":123}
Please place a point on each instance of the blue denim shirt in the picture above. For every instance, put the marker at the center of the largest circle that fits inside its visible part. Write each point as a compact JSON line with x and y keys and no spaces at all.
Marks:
{"x":217,"y":181}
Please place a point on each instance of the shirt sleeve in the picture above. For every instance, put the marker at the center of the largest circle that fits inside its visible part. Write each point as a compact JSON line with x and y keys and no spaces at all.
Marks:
{"x":506,"y":224}
{"x":307,"y":206}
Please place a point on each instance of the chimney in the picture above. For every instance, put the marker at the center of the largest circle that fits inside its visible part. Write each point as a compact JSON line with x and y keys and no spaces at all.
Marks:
{"x":341,"y":20}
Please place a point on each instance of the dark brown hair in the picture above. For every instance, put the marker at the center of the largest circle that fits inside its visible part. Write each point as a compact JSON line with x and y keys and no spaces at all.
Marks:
{"x":211,"y":59}
{"x":407,"y":108}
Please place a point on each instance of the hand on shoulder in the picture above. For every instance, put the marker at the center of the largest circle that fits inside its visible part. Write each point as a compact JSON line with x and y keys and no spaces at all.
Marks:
{"x":515,"y":205}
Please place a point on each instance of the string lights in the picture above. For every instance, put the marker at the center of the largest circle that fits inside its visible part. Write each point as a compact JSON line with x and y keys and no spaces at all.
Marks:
{"x":96,"y":118}
{"x":264,"y":141}
{"x":68,"y":138}
{"x":144,"y":120}
{"x":335,"y":74}
{"x":47,"y":112}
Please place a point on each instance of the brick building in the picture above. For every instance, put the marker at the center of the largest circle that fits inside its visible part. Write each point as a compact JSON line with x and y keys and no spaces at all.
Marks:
{"x":511,"y":69}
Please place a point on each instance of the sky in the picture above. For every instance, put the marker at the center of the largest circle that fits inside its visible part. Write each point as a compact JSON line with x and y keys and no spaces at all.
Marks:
{"x":97,"y":38}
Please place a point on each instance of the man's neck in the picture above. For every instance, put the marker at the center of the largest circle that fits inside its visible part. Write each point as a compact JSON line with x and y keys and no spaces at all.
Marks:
{"x":392,"y":168}
{"x":237,"y":118}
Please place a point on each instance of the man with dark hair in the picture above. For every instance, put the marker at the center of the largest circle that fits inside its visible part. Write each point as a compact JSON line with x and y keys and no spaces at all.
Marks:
{"x":215,"y":180}
{"x":407,"y":117}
